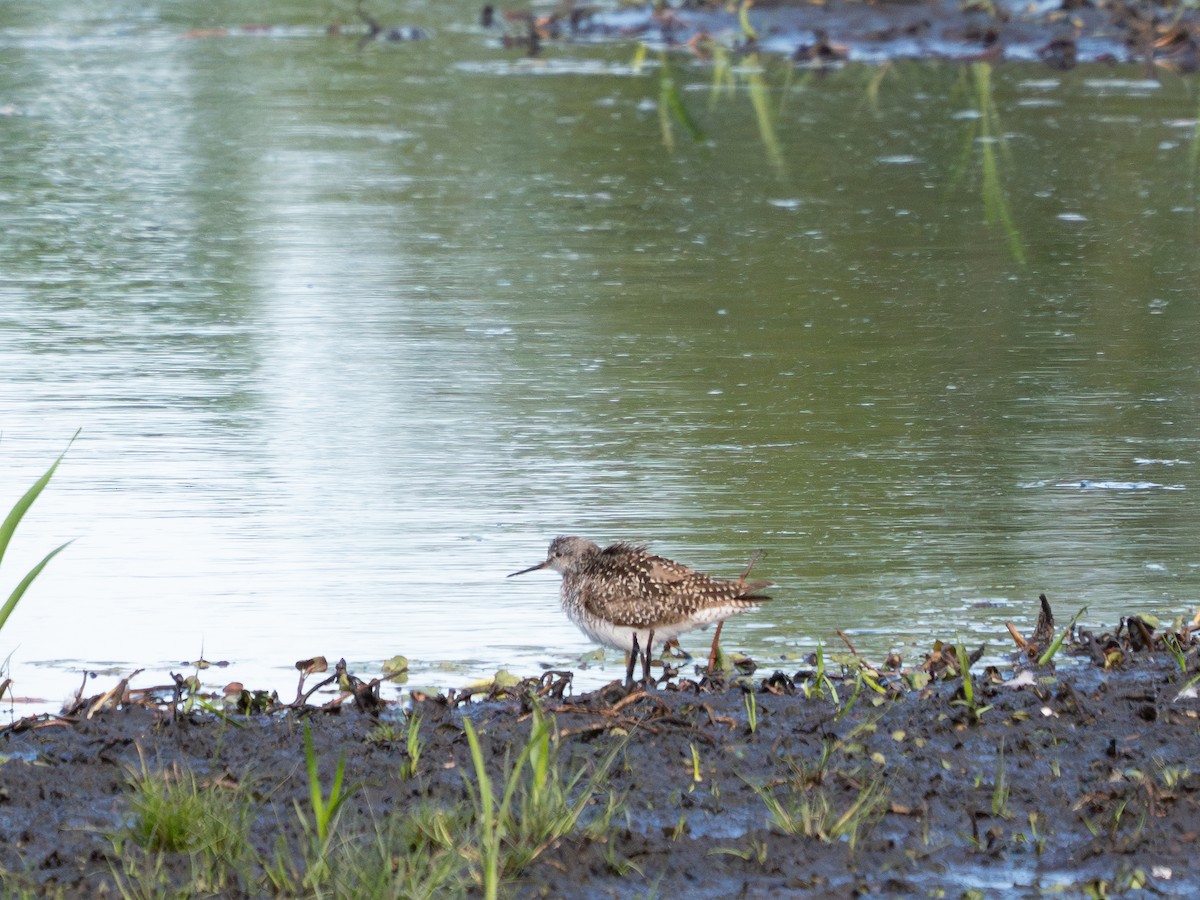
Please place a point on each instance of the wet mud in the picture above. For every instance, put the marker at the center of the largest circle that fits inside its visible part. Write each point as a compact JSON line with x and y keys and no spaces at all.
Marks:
{"x":827,"y":781}
{"x":819,"y":34}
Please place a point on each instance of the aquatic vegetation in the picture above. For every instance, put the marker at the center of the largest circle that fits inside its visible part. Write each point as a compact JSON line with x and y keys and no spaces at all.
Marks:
{"x":985,"y":132}
{"x":9,"y":526}
{"x":764,"y":116}
{"x":671,"y":108}
{"x":750,"y":73}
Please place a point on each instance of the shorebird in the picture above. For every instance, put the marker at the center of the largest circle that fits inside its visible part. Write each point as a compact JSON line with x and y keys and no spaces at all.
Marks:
{"x":626,"y":598}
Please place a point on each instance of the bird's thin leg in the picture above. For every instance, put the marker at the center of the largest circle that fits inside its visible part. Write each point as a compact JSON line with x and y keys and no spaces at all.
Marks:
{"x":646,"y":664}
{"x":629,"y":663}
{"x":712,"y":654}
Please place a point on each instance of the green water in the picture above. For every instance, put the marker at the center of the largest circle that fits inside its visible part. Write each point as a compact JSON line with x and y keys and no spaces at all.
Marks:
{"x":352,"y":334}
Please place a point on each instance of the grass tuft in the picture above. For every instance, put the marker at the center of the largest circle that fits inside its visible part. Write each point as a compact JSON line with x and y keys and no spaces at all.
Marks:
{"x":814,"y":813}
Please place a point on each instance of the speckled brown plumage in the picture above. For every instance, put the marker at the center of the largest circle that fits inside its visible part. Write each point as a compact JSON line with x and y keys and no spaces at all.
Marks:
{"x":625,"y":597}
{"x":627,"y":585}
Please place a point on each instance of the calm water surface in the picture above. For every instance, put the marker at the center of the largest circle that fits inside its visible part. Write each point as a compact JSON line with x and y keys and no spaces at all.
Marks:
{"x":351,"y":335}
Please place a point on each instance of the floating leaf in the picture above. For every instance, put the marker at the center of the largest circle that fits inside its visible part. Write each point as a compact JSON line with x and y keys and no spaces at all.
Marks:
{"x":505,"y":679}
{"x":313,"y":666}
{"x":395,"y":665}
{"x":919,"y":680}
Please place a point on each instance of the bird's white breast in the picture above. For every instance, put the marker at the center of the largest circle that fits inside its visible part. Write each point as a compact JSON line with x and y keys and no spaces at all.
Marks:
{"x":620,"y":637}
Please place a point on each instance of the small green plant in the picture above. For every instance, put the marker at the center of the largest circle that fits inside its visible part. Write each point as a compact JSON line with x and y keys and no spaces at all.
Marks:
{"x":1173,"y":776}
{"x":697,"y":774}
{"x":744,"y":21}
{"x":413,"y":745}
{"x":173,"y":813}
{"x":539,"y":803}
{"x":974,"y":708}
{"x":410,"y":733}
{"x":9,"y":526}
{"x":413,"y":853}
{"x":1171,"y":642}
{"x":754,"y":851}
{"x":324,"y":810}
{"x":751,"y":711}
{"x":820,"y":682}
{"x":1057,"y":643}
{"x":1000,"y":788}
{"x":860,"y":679}
{"x":1113,"y":823}
{"x":680,"y":829}
{"x":618,"y":864}
{"x":384,"y":733}
{"x":1036,"y":838}
{"x":804,"y":774}
{"x":812,"y":812}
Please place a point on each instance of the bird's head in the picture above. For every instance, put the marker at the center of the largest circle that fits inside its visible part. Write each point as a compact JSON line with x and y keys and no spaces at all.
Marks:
{"x":565,"y":553}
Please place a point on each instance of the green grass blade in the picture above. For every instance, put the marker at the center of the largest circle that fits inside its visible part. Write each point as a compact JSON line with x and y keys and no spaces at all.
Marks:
{"x":760,"y":102}
{"x":11,"y":603}
{"x":22,"y":506}
{"x":487,"y":822}
{"x":314,"y":777}
{"x":1058,"y":641}
{"x":748,"y":30}
{"x":671,"y":105}
{"x":964,"y":669}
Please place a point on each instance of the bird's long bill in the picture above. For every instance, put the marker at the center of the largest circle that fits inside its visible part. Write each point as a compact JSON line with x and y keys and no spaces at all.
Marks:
{"x":540,"y":565}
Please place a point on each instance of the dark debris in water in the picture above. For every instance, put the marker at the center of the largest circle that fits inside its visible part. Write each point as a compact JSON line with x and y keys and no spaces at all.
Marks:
{"x":1135,"y":636}
{"x":820,"y":34}
{"x":1061,"y":34}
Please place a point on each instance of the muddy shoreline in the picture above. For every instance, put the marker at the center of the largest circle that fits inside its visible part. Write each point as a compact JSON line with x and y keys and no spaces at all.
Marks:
{"x":819,"y":782}
{"x":813,"y":35}
{"x":818,"y":35}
